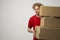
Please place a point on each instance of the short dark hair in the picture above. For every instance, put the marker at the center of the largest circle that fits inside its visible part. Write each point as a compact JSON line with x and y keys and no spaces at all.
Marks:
{"x":36,"y":4}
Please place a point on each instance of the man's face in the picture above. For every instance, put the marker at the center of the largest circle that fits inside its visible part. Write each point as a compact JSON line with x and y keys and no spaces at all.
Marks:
{"x":36,"y":9}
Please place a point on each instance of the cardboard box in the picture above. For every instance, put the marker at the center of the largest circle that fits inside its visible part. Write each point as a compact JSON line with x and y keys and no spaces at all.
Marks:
{"x":37,"y":31}
{"x":50,"y":22}
{"x":49,"y":11}
{"x":47,"y":33}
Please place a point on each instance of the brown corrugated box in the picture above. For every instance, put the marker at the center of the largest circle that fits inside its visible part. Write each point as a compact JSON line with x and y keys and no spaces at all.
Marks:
{"x":47,"y":33}
{"x":50,"y":22}
{"x":49,"y":11}
{"x":37,"y":31}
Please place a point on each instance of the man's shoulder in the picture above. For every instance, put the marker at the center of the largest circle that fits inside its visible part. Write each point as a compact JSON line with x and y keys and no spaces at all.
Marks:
{"x":33,"y":16}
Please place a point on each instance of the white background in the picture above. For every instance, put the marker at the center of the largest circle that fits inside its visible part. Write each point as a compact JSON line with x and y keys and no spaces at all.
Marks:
{"x":14,"y":15}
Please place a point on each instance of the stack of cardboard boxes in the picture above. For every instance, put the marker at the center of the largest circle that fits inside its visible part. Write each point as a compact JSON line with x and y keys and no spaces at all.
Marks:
{"x":49,"y":28}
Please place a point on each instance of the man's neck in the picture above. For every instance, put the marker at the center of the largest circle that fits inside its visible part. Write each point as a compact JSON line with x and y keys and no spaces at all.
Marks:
{"x":37,"y":15}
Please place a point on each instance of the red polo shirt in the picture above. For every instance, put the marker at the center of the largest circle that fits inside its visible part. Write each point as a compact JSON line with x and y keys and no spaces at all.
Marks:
{"x":33,"y":22}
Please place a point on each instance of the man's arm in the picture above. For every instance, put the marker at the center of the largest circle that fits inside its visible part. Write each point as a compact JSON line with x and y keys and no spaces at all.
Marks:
{"x":30,"y":30}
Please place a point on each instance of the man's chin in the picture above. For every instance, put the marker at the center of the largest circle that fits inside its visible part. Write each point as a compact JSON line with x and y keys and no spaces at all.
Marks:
{"x":37,"y":14}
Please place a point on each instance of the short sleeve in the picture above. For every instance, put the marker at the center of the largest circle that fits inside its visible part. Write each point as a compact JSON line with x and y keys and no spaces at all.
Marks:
{"x":30,"y":23}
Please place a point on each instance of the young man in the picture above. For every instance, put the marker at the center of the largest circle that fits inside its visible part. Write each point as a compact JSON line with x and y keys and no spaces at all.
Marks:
{"x":34,"y":20}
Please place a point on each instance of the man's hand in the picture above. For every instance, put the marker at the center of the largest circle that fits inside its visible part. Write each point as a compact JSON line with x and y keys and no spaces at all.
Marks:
{"x":32,"y":31}
{"x":29,"y":30}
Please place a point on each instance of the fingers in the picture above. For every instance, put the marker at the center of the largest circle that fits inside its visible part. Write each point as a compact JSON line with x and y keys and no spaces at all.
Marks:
{"x":34,"y":34}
